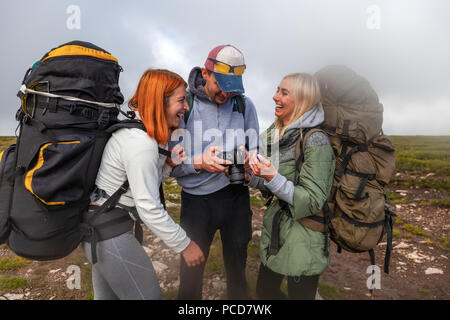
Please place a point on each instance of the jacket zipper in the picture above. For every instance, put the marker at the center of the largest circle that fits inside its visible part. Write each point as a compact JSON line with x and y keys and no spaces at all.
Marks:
{"x":218,"y":116}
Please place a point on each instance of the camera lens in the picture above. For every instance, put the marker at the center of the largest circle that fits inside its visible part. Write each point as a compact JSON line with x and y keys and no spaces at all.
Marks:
{"x":237,"y":174}
{"x":236,"y":168}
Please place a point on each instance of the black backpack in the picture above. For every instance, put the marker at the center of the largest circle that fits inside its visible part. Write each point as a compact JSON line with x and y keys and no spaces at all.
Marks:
{"x":70,"y":102}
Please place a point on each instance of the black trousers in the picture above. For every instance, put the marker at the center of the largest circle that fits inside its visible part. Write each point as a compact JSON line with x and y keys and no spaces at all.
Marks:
{"x":227,"y":210}
{"x":299,"y":288}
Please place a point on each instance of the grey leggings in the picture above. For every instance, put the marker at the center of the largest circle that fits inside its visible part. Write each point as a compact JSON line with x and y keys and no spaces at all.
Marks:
{"x":123,"y":270}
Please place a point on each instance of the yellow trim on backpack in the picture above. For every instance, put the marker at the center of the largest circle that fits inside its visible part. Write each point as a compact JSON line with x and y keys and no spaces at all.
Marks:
{"x":74,"y":50}
{"x":1,"y":155}
{"x":23,"y":99}
{"x":39,"y":164}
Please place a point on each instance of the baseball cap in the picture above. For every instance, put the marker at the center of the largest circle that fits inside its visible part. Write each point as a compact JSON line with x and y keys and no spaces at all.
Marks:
{"x":227,"y":63}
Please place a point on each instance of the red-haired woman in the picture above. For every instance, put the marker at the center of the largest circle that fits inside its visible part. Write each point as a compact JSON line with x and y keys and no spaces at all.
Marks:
{"x":123,"y":269}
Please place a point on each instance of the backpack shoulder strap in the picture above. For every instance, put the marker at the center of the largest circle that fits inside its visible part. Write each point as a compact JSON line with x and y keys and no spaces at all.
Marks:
{"x":138,"y":125}
{"x":300,"y":146}
{"x":240,"y":104}
{"x":164,"y":152}
{"x":126,"y":124}
{"x":320,"y":221}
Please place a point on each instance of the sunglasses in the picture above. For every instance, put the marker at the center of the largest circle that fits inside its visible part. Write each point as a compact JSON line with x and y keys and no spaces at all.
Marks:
{"x":222,"y":67}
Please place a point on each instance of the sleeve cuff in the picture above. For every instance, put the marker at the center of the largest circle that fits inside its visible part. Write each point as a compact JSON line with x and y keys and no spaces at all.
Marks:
{"x":276,"y":183}
{"x":190,"y":169}
{"x":180,"y":248}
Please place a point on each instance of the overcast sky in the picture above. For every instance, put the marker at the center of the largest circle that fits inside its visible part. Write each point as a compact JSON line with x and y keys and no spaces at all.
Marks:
{"x":401,"y":46}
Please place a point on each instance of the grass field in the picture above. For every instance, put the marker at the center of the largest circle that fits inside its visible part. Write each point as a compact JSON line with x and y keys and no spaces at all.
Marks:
{"x":418,"y":154}
{"x":423,"y":161}
{"x":6,"y":142}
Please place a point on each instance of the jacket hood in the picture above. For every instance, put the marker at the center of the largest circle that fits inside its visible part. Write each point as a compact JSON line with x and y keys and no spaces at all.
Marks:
{"x":310,"y":119}
{"x":196,"y":83}
{"x":286,"y":145}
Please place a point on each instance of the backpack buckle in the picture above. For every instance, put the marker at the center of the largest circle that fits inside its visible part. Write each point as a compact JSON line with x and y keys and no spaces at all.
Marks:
{"x":26,"y":119}
{"x":131,"y":115}
{"x":88,"y":113}
{"x":19,"y":115}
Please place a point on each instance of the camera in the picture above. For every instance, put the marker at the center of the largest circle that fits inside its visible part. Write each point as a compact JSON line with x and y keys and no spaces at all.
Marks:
{"x":236,"y":168}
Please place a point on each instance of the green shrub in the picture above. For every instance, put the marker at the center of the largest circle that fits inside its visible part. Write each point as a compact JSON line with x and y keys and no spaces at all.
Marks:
{"x":12,"y":283}
{"x":8,"y":264}
{"x":416,"y":230}
{"x":329,"y":292}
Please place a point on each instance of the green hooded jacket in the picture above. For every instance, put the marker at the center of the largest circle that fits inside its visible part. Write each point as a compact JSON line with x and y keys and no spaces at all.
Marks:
{"x":301,"y":250}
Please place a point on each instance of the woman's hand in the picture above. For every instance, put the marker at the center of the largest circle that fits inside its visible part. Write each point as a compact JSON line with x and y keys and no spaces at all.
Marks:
{"x":246,"y":164}
{"x":178,"y":156}
{"x":262,"y":167}
{"x":193,"y":255}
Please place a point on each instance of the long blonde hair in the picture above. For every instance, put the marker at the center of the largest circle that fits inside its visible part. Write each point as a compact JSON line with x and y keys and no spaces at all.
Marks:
{"x":306,"y":92}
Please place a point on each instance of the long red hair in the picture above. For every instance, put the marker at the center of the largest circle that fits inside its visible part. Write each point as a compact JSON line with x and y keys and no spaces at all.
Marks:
{"x":150,"y":98}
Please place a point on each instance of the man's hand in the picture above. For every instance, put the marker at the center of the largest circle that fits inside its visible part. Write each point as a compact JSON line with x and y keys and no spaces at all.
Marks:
{"x":208,"y":161}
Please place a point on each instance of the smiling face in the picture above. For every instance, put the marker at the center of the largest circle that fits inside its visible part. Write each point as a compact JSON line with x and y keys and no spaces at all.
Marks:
{"x":176,"y":106}
{"x":284,"y":100}
{"x":212,"y":88}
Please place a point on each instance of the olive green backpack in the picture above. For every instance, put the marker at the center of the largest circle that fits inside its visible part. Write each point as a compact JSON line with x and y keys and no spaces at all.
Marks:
{"x":356,"y":215}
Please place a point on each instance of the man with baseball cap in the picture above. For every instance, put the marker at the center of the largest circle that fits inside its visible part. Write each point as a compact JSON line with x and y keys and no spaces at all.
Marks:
{"x":209,"y":202}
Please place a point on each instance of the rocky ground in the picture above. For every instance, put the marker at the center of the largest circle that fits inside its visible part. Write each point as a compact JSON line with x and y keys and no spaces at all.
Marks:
{"x":419,"y":266}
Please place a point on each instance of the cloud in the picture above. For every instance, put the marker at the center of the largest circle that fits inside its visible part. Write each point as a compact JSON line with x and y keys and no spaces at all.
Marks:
{"x":406,"y":60}
{"x":416,"y":118}
{"x":168,"y":54}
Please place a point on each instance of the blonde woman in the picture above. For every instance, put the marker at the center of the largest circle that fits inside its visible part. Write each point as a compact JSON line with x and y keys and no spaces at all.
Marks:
{"x":287,"y":247}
